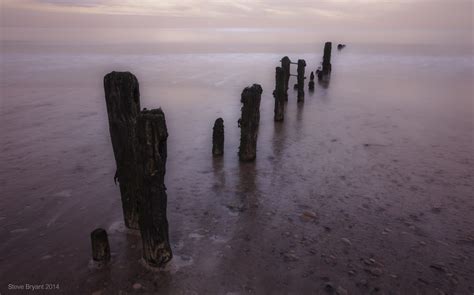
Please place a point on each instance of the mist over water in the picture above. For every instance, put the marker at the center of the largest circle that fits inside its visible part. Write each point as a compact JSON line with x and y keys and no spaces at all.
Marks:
{"x":381,"y":156}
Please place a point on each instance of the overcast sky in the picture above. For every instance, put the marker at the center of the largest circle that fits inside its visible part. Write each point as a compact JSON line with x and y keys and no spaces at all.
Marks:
{"x":435,"y":20}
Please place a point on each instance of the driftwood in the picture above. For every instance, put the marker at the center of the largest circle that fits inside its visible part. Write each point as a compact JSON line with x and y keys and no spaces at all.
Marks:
{"x":152,"y":135}
{"x":249,"y":122}
{"x":218,"y":138}
{"x":279,"y":94}
{"x":100,"y":246}
{"x":122,"y":96}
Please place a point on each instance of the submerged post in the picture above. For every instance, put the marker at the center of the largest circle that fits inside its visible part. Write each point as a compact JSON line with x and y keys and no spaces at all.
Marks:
{"x":218,"y":138}
{"x":100,"y":246}
{"x":279,"y":94}
{"x":122,"y":96}
{"x":152,"y":135}
{"x":326,"y":61}
{"x":301,"y":66}
{"x":249,"y":122}
{"x":285,"y":65}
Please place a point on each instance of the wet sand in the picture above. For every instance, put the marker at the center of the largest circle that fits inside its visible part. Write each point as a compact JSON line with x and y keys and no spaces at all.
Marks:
{"x":364,"y":188}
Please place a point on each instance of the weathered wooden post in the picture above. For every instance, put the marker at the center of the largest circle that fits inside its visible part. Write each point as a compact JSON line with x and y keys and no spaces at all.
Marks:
{"x":300,"y":78}
{"x":279,"y":94}
{"x":326,"y":61}
{"x":152,"y":135}
{"x":311,"y":82}
{"x":218,"y":138}
{"x":249,"y":122}
{"x":341,"y":46}
{"x":100,"y":246}
{"x":122,"y":96}
{"x":285,"y":65}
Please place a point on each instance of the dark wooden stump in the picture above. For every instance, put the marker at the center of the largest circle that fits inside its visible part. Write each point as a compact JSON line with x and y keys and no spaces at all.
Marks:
{"x":152,"y":135}
{"x":327,"y":59}
{"x":300,"y":77}
{"x":311,"y":82}
{"x":218,"y":138}
{"x":100,"y":246}
{"x":279,"y":94}
{"x":285,"y":65}
{"x":122,"y":96}
{"x":249,"y":122}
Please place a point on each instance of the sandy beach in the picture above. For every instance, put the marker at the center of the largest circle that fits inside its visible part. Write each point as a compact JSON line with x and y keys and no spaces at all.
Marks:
{"x":366,"y":187}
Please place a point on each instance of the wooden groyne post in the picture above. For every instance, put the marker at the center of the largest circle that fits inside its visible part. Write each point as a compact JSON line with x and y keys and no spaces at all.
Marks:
{"x":249,"y":122}
{"x":100,"y":246}
{"x":218,"y":138}
{"x":279,"y":94}
{"x":152,"y":137}
{"x":122,"y":96}
{"x":285,"y":65}
{"x":326,"y":70}
{"x":300,"y":78}
{"x":311,"y":82}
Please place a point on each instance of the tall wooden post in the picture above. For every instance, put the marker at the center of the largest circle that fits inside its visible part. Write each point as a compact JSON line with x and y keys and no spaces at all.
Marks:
{"x":300,"y":77}
{"x":100,"y":246}
{"x":152,"y":136}
{"x":279,"y":94}
{"x":218,"y":138}
{"x":285,"y":65}
{"x":122,"y":96}
{"x":326,"y":61}
{"x":249,"y":122}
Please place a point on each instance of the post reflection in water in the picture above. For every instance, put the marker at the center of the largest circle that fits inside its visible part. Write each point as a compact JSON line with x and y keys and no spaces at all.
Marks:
{"x":324,"y":83}
{"x":219,"y":173}
{"x":247,"y":189}
{"x":279,"y":140}
{"x":299,"y":113}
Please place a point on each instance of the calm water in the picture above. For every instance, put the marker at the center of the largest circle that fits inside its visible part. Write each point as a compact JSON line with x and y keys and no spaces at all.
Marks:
{"x":382,"y":156}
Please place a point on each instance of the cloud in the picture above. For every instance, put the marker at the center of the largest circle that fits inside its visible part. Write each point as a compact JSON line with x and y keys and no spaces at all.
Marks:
{"x":73,"y":3}
{"x":226,"y":8}
{"x":367,"y":15}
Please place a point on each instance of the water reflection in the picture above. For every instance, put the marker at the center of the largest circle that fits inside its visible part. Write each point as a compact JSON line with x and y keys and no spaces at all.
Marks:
{"x":299,"y":112}
{"x":219,"y":173}
{"x":324,"y":83}
{"x":279,"y":139}
{"x":247,"y":189}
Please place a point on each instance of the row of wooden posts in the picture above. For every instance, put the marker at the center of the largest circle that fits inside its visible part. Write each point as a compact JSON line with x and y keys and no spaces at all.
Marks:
{"x":139,"y":141}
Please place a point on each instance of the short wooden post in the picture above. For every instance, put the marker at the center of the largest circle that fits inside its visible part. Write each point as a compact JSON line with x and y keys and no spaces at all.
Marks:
{"x":218,"y":138}
{"x":100,"y":246}
{"x":300,"y":77}
{"x":279,"y":94}
{"x":311,"y":82}
{"x":249,"y":122}
{"x":152,"y":136}
{"x":122,"y":96}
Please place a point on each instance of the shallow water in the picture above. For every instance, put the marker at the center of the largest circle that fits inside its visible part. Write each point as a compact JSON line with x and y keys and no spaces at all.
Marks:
{"x":376,"y":165}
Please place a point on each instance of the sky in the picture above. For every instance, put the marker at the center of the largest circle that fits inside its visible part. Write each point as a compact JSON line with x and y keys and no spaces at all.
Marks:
{"x":431,"y":21}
